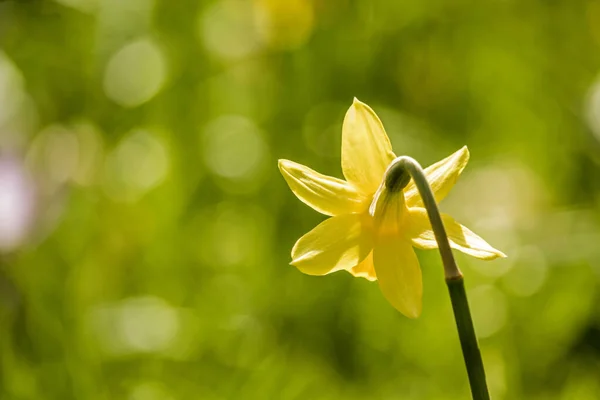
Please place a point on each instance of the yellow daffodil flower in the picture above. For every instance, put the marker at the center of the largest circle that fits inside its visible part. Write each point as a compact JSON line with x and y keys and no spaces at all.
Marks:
{"x":373,"y":229}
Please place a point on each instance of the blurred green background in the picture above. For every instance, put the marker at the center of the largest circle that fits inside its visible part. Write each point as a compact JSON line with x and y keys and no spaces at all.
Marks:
{"x":145,"y":231}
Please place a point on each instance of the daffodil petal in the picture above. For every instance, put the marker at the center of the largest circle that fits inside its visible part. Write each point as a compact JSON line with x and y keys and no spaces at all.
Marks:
{"x":399,"y":274}
{"x":325,"y":194}
{"x":441,"y":176}
{"x":418,"y":230}
{"x":365,"y":269}
{"x":366,"y":149}
{"x":337,"y":243}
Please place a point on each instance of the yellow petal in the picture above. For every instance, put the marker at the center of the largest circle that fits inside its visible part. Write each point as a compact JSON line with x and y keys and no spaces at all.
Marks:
{"x":337,"y":243}
{"x":325,"y":194}
{"x":418,"y":230}
{"x":366,"y":149}
{"x":365,"y":269}
{"x":441,"y":176}
{"x":398,"y":274}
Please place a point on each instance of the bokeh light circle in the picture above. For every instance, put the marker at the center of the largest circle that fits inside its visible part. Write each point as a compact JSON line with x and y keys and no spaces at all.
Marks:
{"x":228,"y":30}
{"x":234,"y":148}
{"x":135,"y":73}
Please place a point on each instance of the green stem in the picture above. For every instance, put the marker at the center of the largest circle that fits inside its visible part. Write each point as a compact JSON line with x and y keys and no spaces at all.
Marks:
{"x":468,"y":340}
{"x":454,"y":278}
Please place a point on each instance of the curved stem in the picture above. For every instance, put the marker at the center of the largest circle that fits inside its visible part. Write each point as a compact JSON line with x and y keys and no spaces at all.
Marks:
{"x":454,"y":278}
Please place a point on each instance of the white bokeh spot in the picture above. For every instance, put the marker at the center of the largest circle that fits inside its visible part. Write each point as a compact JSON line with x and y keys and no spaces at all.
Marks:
{"x":16,"y":204}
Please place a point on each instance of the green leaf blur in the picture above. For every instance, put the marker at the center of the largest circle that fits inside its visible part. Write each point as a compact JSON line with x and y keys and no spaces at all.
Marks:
{"x":145,"y":230}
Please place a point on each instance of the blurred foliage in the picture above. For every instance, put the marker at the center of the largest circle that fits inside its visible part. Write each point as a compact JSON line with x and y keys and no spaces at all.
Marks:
{"x":145,"y":231}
